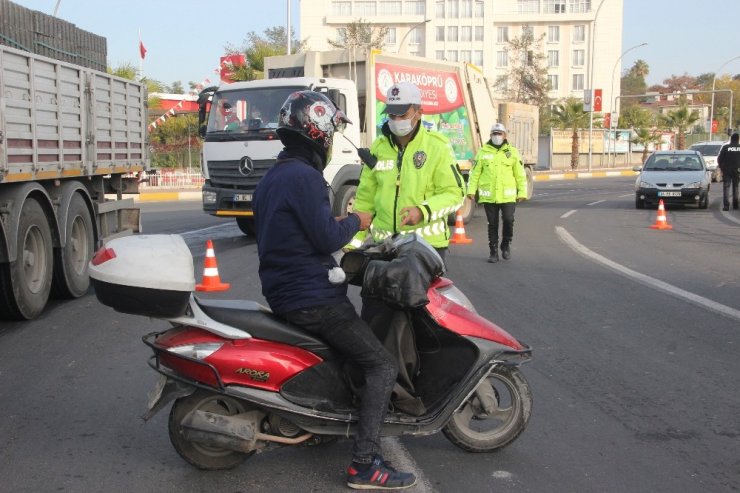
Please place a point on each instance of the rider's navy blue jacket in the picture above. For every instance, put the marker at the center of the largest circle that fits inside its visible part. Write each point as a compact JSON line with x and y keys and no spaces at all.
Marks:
{"x":296,"y":235}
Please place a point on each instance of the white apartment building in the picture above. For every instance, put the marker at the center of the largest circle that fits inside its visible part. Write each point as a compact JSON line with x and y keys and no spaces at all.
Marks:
{"x":577,"y":34}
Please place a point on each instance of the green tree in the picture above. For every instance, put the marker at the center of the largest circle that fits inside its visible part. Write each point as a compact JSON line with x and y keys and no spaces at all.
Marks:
{"x":176,"y":88}
{"x":360,"y":34}
{"x":645,"y":137}
{"x":633,"y":83}
{"x":526,"y":80}
{"x":170,"y":141}
{"x":636,"y":117}
{"x":679,"y":120}
{"x":256,"y":47}
{"x":126,"y":71}
{"x":569,"y":114}
{"x":639,"y":69}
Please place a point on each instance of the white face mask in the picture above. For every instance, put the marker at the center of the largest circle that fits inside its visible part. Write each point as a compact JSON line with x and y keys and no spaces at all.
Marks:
{"x":401,"y":128}
{"x":497,"y":139}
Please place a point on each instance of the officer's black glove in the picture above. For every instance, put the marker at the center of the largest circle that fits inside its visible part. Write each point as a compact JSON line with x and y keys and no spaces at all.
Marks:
{"x":367,"y":158}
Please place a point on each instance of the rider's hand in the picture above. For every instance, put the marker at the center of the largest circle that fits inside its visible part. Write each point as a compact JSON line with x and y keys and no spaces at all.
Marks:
{"x":471,"y":197}
{"x":365,"y":219}
{"x":410,"y":216}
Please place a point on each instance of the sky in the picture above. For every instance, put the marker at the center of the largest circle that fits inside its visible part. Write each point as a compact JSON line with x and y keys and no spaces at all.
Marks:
{"x":185,"y":38}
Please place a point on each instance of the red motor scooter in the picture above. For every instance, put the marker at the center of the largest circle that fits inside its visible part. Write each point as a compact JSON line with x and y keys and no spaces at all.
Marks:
{"x":241,"y":378}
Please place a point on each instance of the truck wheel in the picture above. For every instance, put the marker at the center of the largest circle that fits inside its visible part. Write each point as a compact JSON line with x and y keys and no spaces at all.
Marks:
{"x":26,"y":282}
{"x":344,"y":200}
{"x":71,"y":278}
{"x":530,"y":182}
{"x":246,"y":225}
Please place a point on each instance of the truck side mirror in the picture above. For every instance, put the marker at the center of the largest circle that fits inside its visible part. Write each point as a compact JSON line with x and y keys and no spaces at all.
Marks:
{"x":334,"y":95}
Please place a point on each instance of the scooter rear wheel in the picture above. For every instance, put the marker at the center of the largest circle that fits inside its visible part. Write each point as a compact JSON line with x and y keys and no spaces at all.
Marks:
{"x":200,"y":455}
{"x":475,"y":430}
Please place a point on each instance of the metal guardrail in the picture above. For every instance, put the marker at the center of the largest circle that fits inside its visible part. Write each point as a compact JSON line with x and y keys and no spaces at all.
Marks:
{"x":178,"y":179}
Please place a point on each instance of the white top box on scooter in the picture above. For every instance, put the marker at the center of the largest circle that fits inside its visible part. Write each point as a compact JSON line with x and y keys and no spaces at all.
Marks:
{"x":148,"y":275}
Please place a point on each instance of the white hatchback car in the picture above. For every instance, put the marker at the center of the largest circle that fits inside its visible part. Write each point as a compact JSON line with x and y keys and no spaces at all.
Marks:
{"x":710,"y":151}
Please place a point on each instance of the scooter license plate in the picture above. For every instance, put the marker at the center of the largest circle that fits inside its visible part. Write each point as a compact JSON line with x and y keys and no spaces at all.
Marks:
{"x":156,"y":393}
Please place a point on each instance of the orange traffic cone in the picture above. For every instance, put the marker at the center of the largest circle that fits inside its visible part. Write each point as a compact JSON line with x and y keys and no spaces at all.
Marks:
{"x":211,"y":280}
{"x":459,"y":236}
{"x":662,"y":220}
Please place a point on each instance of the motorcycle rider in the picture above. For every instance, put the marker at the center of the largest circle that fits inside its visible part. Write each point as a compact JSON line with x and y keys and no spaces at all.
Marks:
{"x":296,"y":235}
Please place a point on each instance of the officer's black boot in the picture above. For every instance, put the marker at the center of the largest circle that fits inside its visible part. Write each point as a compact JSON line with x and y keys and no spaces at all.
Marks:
{"x":493,"y":258}
{"x":505,"y":250}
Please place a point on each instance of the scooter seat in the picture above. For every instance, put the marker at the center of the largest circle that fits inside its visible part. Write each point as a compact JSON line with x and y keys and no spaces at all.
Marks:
{"x":252,"y":318}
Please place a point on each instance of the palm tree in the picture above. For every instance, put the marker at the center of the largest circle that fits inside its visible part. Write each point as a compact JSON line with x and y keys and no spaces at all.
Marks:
{"x":645,"y":137}
{"x":569,"y":114}
{"x":681,"y":119}
{"x":640,"y":69}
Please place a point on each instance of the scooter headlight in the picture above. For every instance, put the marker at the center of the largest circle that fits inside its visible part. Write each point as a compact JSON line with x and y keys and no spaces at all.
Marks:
{"x":196,"y":351}
{"x":456,"y":296}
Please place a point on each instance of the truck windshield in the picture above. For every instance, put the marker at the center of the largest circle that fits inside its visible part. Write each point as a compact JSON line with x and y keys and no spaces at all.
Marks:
{"x":240,"y":113}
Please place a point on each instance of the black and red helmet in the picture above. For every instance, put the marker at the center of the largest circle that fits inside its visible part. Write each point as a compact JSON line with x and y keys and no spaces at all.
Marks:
{"x":309,"y":117}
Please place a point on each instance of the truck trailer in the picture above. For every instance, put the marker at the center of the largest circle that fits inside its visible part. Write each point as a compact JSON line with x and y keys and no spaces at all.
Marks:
{"x":69,"y":135}
{"x":241,"y":143}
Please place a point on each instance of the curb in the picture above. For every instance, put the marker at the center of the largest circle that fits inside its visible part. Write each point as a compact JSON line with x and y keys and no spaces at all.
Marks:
{"x":194,"y":195}
{"x":585,"y":174}
{"x":162,"y":196}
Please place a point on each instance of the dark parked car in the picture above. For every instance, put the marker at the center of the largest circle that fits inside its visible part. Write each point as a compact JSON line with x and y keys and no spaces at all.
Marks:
{"x":676,"y":177}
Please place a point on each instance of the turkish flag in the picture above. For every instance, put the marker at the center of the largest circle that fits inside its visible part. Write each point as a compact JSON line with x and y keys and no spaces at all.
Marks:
{"x":142,"y":49}
{"x":597,"y":100}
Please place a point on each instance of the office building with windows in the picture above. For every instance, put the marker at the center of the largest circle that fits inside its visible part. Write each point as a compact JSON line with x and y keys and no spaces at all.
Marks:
{"x":577,"y":34}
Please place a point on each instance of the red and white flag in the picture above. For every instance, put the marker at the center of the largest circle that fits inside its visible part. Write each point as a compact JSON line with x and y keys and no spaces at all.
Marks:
{"x":142,"y":49}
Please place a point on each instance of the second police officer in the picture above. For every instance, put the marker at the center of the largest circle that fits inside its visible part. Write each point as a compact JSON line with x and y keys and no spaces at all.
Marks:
{"x":500,"y":180}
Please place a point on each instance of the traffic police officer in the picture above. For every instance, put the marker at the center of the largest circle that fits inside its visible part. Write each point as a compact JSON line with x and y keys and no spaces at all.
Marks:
{"x":499,"y":178}
{"x":729,"y":162}
{"x":415,"y":183}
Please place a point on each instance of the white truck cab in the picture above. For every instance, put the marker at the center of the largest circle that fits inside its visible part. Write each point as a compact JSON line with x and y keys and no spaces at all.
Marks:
{"x":241,"y":142}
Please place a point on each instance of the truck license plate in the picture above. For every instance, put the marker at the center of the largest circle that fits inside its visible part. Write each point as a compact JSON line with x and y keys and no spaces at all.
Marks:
{"x":242,"y":197}
{"x":669,"y":194}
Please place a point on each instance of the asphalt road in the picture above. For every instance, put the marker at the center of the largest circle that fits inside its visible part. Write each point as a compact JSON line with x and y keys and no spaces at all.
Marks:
{"x":634,"y":376}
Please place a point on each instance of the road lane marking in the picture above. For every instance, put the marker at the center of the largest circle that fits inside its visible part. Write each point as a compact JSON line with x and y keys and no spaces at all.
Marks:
{"x":651,"y":282}
{"x":569,"y":213}
{"x":597,"y":202}
{"x":729,"y":216}
{"x":394,"y":451}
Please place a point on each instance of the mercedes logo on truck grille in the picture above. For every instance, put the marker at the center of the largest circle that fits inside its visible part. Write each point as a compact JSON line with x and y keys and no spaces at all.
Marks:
{"x":246,"y":166}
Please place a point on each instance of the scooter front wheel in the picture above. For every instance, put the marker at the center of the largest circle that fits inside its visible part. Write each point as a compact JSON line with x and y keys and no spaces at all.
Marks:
{"x":200,"y":455}
{"x":495,"y":415}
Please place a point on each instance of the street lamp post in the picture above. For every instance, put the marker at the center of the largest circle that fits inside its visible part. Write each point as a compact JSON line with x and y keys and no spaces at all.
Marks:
{"x":591,"y":85}
{"x":400,"y":45}
{"x":611,"y":93}
{"x":711,"y":110}
{"x":287,"y":33}
{"x":190,"y":156}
